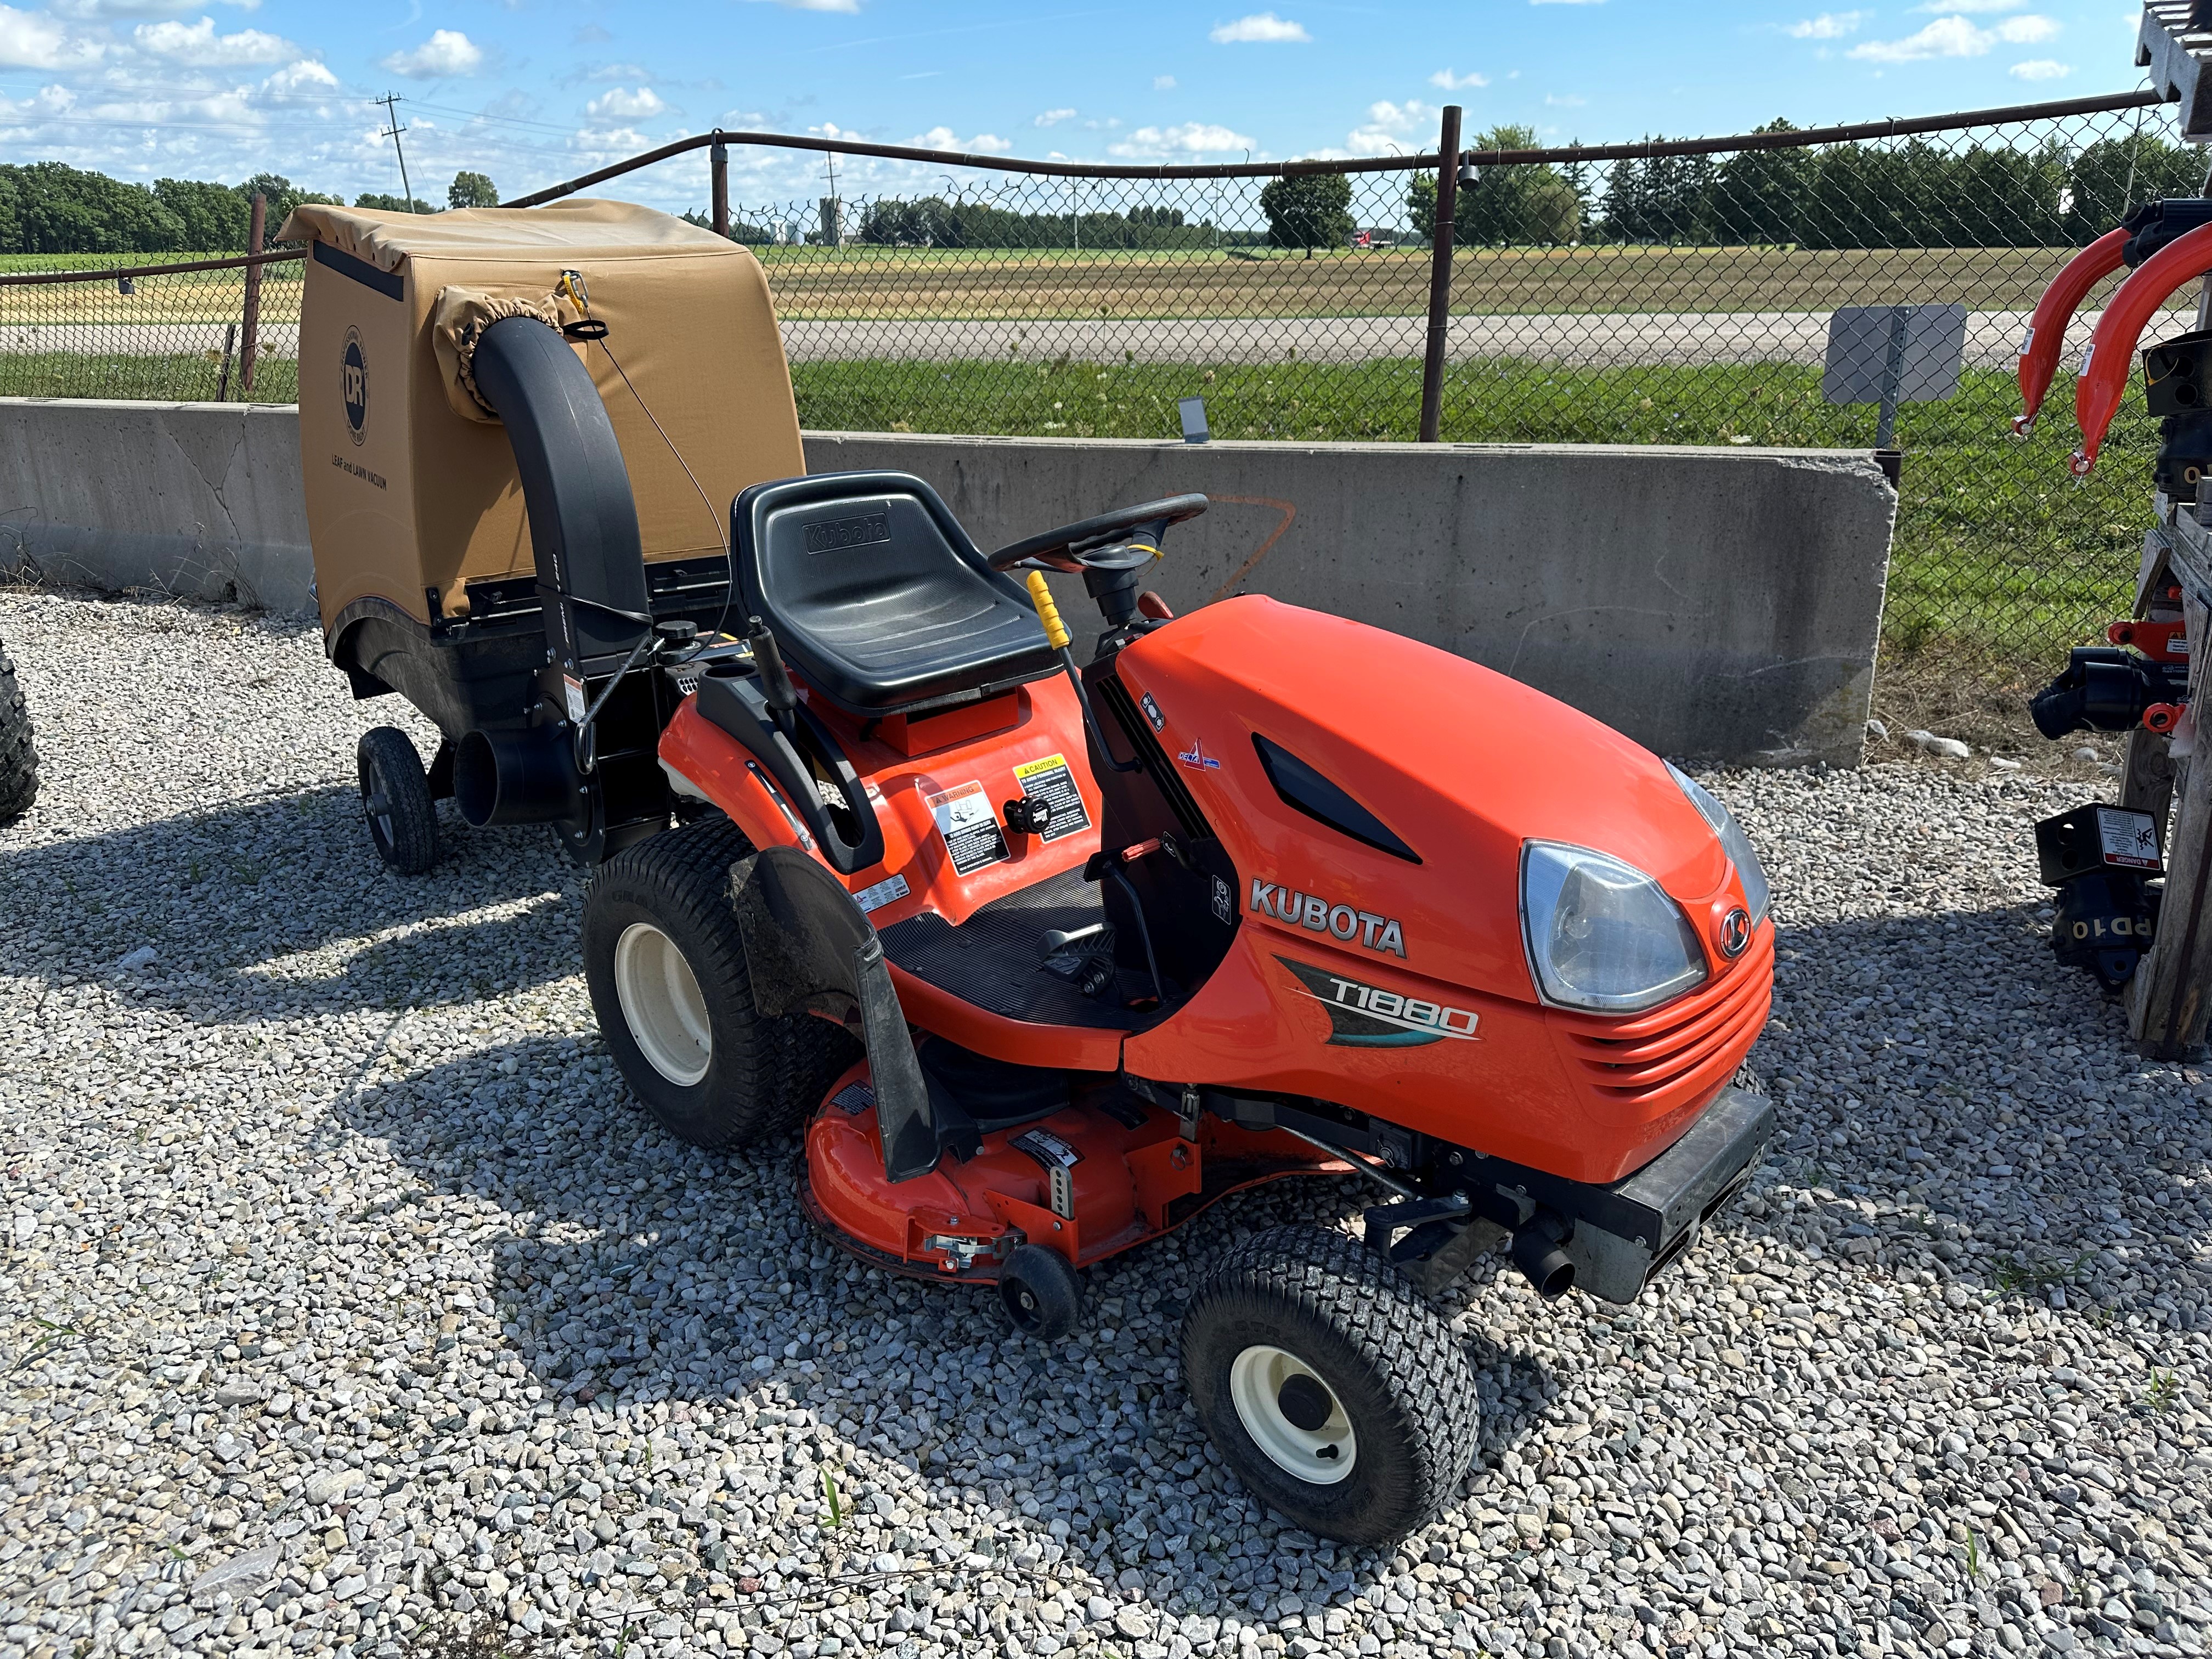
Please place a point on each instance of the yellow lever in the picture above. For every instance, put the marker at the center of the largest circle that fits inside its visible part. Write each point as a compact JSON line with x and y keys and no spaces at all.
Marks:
{"x":1040,"y":595}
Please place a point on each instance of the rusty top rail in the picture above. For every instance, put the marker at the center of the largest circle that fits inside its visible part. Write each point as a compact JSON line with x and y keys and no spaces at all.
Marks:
{"x":1893,"y":127}
{"x":238,"y":262}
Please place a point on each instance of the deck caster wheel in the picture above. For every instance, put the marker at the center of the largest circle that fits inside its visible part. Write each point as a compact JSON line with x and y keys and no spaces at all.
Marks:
{"x":395,"y":801}
{"x":1040,"y":1293}
{"x":1340,"y":1397}
{"x":666,"y":965}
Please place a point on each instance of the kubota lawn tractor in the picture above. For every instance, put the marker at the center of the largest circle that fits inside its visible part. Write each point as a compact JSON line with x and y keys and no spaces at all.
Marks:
{"x":1044,"y":954}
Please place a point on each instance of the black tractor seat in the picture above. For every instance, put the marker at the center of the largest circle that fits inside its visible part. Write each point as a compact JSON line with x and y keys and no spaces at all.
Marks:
{"x":878,"y":598}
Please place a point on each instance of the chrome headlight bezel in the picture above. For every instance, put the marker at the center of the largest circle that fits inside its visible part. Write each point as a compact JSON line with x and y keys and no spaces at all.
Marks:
{"x":1546,"y":869}
{"x":1757,"y":892}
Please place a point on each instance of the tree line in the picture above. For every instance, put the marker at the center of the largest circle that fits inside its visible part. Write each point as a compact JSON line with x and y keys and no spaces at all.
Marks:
{"x":1917,"y":194}
{"x":46,"y":207}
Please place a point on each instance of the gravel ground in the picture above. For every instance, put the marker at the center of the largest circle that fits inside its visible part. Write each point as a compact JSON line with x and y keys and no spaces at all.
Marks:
{"x":349,"y":1306}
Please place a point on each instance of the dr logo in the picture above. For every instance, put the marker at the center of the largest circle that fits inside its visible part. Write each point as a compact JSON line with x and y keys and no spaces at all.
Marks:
{"x":353,"y":384}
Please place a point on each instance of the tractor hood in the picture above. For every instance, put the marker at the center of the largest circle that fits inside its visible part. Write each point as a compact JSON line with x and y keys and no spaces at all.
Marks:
{"x":1460,"y":766}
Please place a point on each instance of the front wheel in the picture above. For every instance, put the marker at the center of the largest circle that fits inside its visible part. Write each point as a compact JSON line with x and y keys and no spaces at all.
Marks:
{"x":395,"y":801}
{"x":666,"y":965}
{"x":1340,"y":1397}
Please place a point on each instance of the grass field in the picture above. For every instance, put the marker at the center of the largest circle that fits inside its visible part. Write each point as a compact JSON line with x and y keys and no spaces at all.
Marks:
{"x":188,"y":296}
{"x":902,"y":283}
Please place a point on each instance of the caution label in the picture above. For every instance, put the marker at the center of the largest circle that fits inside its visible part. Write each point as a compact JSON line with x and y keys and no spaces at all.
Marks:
{"x":1050,"y":782}
{"x":970,"y":826}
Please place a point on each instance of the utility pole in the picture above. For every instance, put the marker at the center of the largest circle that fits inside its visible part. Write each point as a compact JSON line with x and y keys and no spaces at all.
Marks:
{"x":833,"y":228}
{"x":390,"y":101}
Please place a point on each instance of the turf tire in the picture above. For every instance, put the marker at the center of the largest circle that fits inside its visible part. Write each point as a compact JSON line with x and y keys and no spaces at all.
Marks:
{"x":405,"y":834}
{"x":763,"y":1075}
{"x":19,"y":761}
{"x":1391,"y":1359}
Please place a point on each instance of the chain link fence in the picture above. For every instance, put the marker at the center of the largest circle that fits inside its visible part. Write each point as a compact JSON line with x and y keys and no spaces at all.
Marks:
{"x":1662,"y":298}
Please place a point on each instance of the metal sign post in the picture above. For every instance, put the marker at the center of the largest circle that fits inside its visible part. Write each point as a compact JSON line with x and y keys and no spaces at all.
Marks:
{"x":1893,"y":355}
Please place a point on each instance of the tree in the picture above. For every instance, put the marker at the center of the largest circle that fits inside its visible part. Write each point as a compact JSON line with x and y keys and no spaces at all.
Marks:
{"x":1758,"y":196}
{"x":55,"y":208}
{"x":1520,"y":206}
{"x":215,"y":218}
{"x":1662,"y":199}
{"x":283,"y":196}
{"x":1308,"y":210}
{"x":471,"y":190}
{"x":2111,"y":179}
{"x":377,"y":201}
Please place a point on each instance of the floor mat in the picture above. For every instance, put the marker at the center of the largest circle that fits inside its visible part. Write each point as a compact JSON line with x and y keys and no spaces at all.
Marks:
{"x":995,"y":959}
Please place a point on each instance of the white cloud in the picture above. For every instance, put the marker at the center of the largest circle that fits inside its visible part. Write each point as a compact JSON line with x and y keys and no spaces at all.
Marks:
{"x":1566,"y":3}
{"x":95,"y":9}
{"x":1262,"y":26}
{"x":1565,"y":99}
{"x":1053,"y":118}
{"x":1828,"y":26}
{"x":621,"y":105}
{"x":848,"y":7}
{"x":200,"y":46}
{"x":298,"y":76}
{"x":1189,"y":138}
{"x":30,"y":40}
{"x":1390,"y":127}
{"x":447,"y":53}
{"x":1947,"y":7}
{"x":2041,"y":69}
{"x":983,"y":143}
{"x":1163,"y":83}
{"x":1451,"y":82}
{"x":1955,"y":37}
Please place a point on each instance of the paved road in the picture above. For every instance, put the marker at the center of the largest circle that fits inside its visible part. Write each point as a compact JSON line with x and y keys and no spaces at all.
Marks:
{"x":1578,"y":339}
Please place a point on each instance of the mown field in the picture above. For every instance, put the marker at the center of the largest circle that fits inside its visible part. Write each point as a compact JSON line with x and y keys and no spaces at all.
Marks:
{"x":188,"y":296}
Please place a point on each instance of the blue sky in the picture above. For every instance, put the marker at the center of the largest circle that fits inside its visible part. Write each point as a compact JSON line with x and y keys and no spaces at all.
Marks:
{"x":530,"y":92}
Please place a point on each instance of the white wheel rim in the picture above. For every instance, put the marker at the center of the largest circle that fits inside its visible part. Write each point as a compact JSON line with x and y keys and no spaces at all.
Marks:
{"x":661,"y":1003}
{"x":1320,"y":1456}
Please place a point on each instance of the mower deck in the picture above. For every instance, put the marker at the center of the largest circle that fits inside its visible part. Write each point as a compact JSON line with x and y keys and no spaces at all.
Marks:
{"x":961,"y":1221}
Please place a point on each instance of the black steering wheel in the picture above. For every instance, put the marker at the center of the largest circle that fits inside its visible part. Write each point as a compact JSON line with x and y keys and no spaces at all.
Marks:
{"x":1066,"y":548}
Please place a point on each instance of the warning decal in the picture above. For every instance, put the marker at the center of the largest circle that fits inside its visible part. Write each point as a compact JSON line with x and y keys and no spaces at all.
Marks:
{"x":1049,"y":782}
{"x":2127,"y":839}
{"x":970,"y":826}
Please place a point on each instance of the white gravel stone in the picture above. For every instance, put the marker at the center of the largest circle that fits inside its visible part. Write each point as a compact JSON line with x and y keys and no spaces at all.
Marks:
{"x":345,"y":1291}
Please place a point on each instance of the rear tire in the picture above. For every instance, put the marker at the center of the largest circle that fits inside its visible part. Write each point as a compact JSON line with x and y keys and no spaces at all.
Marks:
{"x":19,"y":761}
{"x":395,"y":801}
{"x":1338,"y":1396}
{"x":665,"y":964}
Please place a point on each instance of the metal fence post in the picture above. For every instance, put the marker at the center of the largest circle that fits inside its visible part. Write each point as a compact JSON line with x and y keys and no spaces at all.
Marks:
{"x":256,"y":230}
{"x":1440,"y":261}
{"x":720,"y":170}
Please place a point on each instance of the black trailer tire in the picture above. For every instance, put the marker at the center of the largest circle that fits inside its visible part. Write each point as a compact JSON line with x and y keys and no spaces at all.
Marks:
{"x":395,"y":801}
{"x":1040,"y":1293}
{"x":1303,"y":1350}
{"x":665,"y":964}
{"x":19,"y":761}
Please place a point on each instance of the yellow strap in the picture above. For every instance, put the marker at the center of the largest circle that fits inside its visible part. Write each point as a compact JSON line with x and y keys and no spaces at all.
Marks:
{"x":1048,"y":612}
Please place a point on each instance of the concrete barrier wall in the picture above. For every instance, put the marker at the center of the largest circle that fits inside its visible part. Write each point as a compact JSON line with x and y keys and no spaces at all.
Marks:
{"x":1719,"y":604}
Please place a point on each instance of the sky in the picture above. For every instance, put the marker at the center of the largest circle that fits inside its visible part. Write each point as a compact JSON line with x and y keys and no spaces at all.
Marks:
{"x":530,"y":92}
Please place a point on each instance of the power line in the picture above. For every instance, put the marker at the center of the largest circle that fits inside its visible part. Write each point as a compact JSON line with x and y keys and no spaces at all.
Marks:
{"x":391,"y":101}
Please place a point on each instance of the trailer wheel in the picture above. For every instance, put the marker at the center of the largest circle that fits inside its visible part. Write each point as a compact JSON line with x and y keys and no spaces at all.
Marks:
{"x":19,"y":761}
{"x":395,"y":801}
{"x":665,"y":964}
{"x":1338,"y":1396}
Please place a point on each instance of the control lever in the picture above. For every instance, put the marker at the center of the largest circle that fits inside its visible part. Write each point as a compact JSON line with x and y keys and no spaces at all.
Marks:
{"x":781,"y":695}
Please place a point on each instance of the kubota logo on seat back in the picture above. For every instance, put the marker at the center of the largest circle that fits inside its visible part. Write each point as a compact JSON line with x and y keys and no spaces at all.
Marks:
{"x":1318,"y":915}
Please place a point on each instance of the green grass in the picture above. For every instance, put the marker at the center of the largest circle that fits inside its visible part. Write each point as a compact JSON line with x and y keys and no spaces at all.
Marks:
{"x":1998,"y":551}
{"x":185,"y":377}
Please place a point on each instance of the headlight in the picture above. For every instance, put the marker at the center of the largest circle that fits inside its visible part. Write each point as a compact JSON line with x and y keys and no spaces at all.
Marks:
{"x":1734,"y":843}
{"x":1601,"y":935}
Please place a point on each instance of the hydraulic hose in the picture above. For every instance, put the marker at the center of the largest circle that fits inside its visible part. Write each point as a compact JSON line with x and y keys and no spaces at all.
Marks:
{"x":2046,"y":331}
{"x":2103,"y":381}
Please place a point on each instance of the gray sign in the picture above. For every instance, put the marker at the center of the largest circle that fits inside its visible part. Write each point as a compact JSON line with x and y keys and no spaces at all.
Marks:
{"x":1894,"y":354}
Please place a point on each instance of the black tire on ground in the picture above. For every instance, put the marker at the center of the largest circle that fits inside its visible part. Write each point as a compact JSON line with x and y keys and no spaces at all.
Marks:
{"x":1040,"y":1293}
{"x":19,"y":761}
{"x":395,"y":801}
{"x":657,"y":916}
{"x":1345,"y":1369}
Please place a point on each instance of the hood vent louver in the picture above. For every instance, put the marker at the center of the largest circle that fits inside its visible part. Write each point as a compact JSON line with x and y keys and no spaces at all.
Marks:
{"x":1309,"y":793}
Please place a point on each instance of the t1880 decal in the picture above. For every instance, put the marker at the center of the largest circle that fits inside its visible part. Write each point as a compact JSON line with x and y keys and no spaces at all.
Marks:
{"x":1367,"y":1016}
